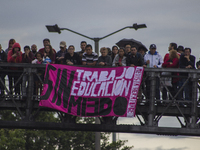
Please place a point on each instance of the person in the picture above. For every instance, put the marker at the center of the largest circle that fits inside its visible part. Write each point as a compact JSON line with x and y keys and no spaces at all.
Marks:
{"x":109,"y":51}
{"x":10,"y":44}
{"x":171,"y":83}
{"x":153,"y":60}
{"x":120,"y":59}
{"x":198,"y":64}
{"x":34,"y":49}
{"x":15,"y":56}
{"x":61,"y":53}
{"x":187,"y":61}
{"x":3,"y":59}
{"x":127,"y":49}
{"x":27,"y":57}
{"x":180,"y":49}
{"x":40,"y":72}
{"x":135,"y":58}
{"x":83,"y":46}
{"x":89,"y":58}
{"x":46,"y":42}
{"x":115,"y":51}
{"x":72,"y":58}
{"x":142,"y":51}
{"x":38,"y":58}
{"x":172,"y":47}
{"x":104,"y":59}
{"x":49,"y":55}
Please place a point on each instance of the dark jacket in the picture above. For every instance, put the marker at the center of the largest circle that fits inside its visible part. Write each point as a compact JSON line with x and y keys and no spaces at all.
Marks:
{"x":198,"y":63}
{"x":59,"y":54}
{"x":137,"y":60}
{"x":28,"y":59}
{"x":184,"y":63}
{"x":107,"y":60}
{"x":3,"y":56}
{"x":75,"y":59}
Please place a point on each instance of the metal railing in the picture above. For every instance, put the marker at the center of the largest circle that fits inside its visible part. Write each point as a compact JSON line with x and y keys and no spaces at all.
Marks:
{"x":22,"y":95}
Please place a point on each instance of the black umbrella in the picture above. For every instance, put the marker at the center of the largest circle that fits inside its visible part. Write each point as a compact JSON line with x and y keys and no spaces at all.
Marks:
{"x":138,"y":44}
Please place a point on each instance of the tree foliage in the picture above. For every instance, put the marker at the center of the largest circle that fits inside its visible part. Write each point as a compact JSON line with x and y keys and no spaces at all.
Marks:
{"x":23,"y":139}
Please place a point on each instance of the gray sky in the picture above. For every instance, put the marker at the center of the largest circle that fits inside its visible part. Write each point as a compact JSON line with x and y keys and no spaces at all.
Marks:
{"x":167,"y":21}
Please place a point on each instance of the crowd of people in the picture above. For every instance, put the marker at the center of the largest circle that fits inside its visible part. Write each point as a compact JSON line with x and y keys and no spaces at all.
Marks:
{"x":129,"y":55}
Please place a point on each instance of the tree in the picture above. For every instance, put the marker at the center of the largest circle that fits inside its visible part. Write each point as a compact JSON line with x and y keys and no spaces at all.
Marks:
{"x":23,"y":139}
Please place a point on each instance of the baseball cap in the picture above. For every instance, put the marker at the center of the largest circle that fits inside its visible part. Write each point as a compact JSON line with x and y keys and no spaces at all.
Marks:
{"x":62,"y":44}
{"x":152,"y":46}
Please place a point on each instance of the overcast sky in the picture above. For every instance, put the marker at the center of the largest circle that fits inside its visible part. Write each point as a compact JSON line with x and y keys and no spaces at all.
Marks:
{"x":167,"y":21}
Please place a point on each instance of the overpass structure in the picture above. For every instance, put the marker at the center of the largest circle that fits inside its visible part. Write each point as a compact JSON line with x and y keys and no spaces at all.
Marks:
{"x":148,"y":111}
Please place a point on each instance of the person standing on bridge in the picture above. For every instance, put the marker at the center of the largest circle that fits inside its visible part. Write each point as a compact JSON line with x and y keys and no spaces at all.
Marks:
{"x":104,"y":59}
{"x":153,"y":60}
{"x":171,"y":60}
{"x":89,"y":58}
{"x":3,"y":59}
{"x":187,"y":61}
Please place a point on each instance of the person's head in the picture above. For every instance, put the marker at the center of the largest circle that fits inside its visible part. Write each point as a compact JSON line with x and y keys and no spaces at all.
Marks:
{"x":187,"y":51}
{"x":142,"y":51}
{"x":152,"y":48}
{"x":133,"y":50}
{"x":34,"y":48}
{"x":26,"y":49}
{"x":173,"y":54}
{"x":63,"y":45}
{"x":180,"y":49}
{"x":88,"y":49}
{"x":127,"y":48}
{"x":121,"y":52}
{"x":48,"y":49}
{"x":104,"y":51}
{"x":71,"y":49}
{"x":83,"y":45}
{"x":172,"y":46}
{"x":38,"y":56}
{"x":0,"y":47}
{"x":46,"y":42}
{"x":10,"y":43}
{"x":115,"y":50}
{"x":16,"y":48}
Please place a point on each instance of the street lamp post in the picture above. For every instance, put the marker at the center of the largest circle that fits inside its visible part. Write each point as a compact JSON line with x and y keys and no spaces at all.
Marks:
{"x":55,"y":28}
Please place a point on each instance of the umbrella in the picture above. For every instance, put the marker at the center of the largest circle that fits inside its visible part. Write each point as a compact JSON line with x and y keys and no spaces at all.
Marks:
{"x":138,"y":44}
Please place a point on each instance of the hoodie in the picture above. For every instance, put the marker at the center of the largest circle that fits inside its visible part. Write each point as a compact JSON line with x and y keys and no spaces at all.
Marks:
{"x":17,"y":59}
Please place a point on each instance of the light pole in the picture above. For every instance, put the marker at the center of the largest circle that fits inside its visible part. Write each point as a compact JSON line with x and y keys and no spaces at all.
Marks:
{"x":55,"y":28}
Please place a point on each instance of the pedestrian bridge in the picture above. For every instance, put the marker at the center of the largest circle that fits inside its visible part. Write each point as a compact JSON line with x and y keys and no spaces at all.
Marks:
{"x":149,"y":111}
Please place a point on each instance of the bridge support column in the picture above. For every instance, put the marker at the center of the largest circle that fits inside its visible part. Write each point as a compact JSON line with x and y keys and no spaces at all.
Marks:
{"x":29,"y":99}
{"x":194,"y":100}
{"x":152,"y":99}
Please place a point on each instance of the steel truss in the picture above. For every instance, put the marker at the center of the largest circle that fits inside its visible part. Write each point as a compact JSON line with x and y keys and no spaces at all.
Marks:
{"x":148,"y":111}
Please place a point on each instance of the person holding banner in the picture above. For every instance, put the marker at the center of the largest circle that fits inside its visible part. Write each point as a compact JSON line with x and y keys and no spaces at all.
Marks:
{"x":89,"y":58}
{"x":135,"y":58}
{"x":104,"y":59}
{"x":120,"y":59}
{"x":72,"y":58}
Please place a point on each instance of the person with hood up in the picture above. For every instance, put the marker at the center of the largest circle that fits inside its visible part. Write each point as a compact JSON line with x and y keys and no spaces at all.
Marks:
{"x":15,"y":56}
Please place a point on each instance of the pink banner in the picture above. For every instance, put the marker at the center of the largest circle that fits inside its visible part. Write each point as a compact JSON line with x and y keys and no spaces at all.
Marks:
{"x":87,"y":91}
